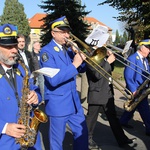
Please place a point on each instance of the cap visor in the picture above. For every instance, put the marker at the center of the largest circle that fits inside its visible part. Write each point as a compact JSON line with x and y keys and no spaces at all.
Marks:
{"x":8,"y":42}
{"x":64,"y":27}
{"x":147,"y":46}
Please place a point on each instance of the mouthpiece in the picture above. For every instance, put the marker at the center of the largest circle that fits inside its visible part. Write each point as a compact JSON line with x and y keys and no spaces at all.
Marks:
{"x":68,"y":42}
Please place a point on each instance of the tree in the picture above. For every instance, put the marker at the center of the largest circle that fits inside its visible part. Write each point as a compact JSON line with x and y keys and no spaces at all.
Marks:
{"x":13,"y":13}
{"x":117,"y":39}
{"x":74,"y":12}
{"x":135,"y":13}
{"x":125,"y":37}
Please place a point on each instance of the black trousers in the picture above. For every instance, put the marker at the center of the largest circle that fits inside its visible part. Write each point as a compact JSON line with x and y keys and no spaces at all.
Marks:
{"x":109,"y":109}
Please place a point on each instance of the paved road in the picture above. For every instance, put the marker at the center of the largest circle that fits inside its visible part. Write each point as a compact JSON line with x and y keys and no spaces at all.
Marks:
{"x":103,"y":135}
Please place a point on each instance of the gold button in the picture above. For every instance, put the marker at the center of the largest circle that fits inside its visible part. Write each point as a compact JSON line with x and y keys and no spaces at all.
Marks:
{"x":8,"y":98}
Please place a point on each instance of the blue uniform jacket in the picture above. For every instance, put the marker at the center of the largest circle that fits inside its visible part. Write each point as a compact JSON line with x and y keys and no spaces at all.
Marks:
{"x":9,"y":106}
{"x":134,"y":79}
{"x":61,"y":97}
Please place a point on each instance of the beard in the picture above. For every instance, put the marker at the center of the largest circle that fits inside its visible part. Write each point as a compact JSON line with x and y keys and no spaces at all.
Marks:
{"x":8,"y":61}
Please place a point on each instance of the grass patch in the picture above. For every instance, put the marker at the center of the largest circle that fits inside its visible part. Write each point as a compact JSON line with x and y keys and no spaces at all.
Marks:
{"x":118,"y":71}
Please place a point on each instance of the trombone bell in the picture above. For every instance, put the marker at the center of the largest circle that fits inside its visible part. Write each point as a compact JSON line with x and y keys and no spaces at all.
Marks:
{"x":94,"y":60}
{"x":99,"y":54}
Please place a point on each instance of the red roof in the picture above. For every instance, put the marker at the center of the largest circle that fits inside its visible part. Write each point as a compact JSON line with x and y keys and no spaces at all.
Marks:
{"x":35,"y":22}
{"x":95,"y":21}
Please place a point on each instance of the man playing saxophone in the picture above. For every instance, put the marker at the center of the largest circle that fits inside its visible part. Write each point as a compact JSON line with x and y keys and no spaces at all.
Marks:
{"x":134,"y":79}
{"x":11,"y":83}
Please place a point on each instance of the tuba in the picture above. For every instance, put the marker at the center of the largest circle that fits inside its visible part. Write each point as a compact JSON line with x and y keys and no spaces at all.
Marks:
{"x":31,"y":123}
{"x":142,"y":92}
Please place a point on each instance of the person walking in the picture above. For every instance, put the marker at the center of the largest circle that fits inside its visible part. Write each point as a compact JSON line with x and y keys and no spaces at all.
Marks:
{"x":101,"y":94}
{"x":62,"y":102}
{"x":134,"y":79}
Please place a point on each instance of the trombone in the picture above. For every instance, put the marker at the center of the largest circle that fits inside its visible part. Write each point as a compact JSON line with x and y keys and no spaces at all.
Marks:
{"x":126,"y":64}
{"x":99,"y":54}
{"x":118,"y":49}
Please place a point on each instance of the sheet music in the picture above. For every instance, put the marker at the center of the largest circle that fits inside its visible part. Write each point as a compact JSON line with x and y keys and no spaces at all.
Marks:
{"x":126,"y":51}
{"x":98,"y":37}
{"x":50,"y":72}
{"x":127,"y":46}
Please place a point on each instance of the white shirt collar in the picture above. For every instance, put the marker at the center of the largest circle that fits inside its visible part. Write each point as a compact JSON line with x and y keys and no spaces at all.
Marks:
{"x":21,"y":51}
{"x":60,"y":46}
{"x":6,"y":68}
{"x":141,"y":57}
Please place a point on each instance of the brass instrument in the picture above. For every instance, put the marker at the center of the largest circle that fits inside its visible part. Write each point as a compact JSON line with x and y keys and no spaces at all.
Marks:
{"x":95,"y":59}
{"x":32,"y":124}
{"x":127,"y":61}
{"x":141,"y":93}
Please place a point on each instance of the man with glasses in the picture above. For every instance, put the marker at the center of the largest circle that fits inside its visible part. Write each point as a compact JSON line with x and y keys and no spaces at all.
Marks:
{"x":62,"y":103}
{"x":134,"y":80}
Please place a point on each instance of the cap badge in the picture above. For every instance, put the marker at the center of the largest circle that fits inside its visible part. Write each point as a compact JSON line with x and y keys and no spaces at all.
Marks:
{"x":66,"y":21}
{"x":7,"y":30}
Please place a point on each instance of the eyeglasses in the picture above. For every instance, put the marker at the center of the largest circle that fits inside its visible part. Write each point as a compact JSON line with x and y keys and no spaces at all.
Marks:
{"x":147,"y":46}
{"x":62,"y":32}
{"x":9,"y":47}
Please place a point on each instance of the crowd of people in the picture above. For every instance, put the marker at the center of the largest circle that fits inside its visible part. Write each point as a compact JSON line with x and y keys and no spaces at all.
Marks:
{"x":59,"y":93}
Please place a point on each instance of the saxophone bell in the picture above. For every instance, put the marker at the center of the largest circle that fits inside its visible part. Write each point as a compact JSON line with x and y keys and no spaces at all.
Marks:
{"x":29,"y":139}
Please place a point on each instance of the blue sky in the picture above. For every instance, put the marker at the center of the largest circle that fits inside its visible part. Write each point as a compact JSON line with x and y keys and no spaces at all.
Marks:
{"x":104,"y":13}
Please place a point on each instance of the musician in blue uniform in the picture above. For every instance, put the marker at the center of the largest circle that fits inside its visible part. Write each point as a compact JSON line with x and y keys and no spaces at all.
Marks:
{"x":11,"y":91}
{"x":134,"y":80}
{"x":62,"y":103}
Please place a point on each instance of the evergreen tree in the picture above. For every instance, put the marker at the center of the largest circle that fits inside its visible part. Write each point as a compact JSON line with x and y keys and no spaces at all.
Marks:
{"x":136,"y":13}
{"x":125,"y":35}
{"x":74,"y":12}
{"x":117,"y":39}
{"x":13,"y":13}
{"x":124,"y":38}
{"x":120,"y":40}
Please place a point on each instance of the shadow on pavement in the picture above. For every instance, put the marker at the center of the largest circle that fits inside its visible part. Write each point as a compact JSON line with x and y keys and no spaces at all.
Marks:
{"x":103,"y":135}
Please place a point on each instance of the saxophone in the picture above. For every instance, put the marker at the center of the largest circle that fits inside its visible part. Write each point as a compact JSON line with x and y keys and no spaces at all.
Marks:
{"x":130,"y":105}
{"x":31,"y":123}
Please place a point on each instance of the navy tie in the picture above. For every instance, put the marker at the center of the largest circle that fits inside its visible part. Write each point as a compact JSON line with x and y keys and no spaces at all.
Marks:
{"x":11,"y":79}
{"x":144,"y":63}
{"x":64,"y":50}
